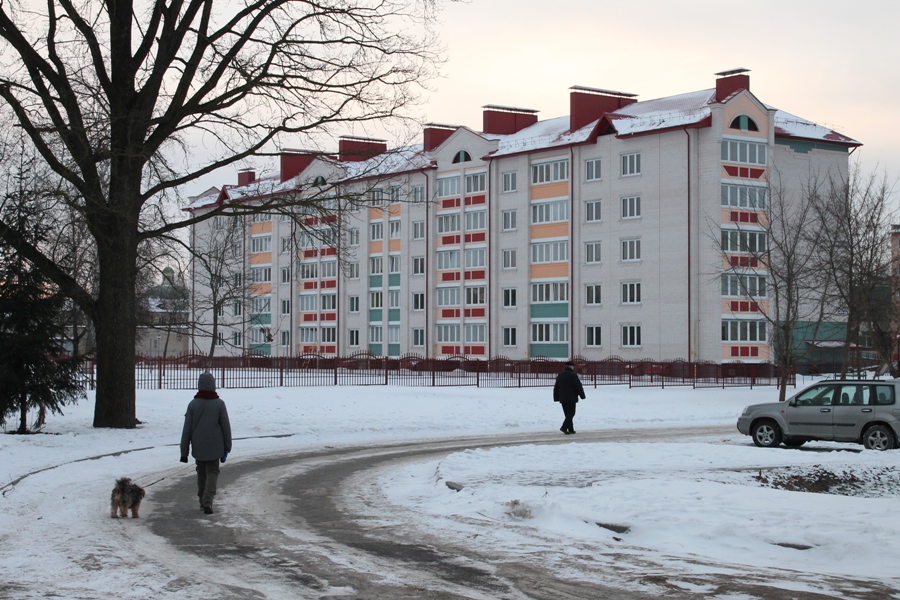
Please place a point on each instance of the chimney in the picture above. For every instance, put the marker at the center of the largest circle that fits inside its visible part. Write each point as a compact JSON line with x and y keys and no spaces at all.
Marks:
{"x":434,"y":135}
{"x":589,"y":104}
{"x":731,"y":81}
{"x":246,"y":176}
{"x":294,"y":162}
{"x":506,"y":119}
{"x":355,"y":149}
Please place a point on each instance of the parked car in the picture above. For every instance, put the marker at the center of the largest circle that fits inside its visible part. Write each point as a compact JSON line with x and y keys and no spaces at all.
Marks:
{"x":864,"y":412}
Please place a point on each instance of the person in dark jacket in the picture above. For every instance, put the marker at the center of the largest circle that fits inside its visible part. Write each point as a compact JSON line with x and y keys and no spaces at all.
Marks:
{"x":567,"y":390}
{"x":207,"y":432}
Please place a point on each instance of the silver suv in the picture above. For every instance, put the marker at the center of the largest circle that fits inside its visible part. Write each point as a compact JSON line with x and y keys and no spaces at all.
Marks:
{"x":864,"y":412}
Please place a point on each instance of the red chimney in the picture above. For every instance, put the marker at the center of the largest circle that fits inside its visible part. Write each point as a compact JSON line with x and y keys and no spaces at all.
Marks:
{"x":506,"y":120}
{"x":355,"y":149}
{"x":589,"y":104}
{"x":246,"y":176}
{"x":294,"y":162}
{"x":434,"y":135}
{"x":731,"y":81}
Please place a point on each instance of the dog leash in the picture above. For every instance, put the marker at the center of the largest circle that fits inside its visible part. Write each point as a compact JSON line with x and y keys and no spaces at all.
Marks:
{"x":167,"y":475}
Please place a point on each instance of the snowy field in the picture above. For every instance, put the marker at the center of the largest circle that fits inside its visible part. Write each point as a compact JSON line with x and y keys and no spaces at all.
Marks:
{"x":713,"y":498}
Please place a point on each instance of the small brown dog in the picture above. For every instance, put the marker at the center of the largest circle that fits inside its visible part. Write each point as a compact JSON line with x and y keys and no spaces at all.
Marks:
{"x":126,"y":495}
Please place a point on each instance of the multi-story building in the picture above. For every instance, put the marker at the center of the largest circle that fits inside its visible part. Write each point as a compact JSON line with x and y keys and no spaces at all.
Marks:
{"x":616,"y":230}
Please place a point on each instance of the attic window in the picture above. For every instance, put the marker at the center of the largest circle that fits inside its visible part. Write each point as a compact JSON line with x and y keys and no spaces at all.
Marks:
{"x":744,"y":123}
{"x":461,"y":157}
{"x":319,"y":181}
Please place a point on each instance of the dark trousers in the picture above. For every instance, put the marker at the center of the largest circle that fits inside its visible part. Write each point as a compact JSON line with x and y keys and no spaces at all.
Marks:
{"x":207,"y":477}
{"x":569,"y":412}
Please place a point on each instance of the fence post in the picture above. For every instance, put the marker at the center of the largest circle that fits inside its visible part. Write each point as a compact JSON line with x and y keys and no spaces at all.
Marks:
{"x":431,"y":362}
{"x":478,"y":377}
{"x":159,"y":366}
{"x":223,"y":375}
{"x":280,"y":371}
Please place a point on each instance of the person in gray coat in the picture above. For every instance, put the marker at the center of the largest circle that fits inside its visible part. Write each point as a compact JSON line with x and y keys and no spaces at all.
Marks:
{"x":207,"y":432}
{"x":567,"y":390}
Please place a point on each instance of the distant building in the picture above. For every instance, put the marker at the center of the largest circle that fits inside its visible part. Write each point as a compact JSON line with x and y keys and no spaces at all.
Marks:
{"x":164,"y":323}
{"x":597,"y":234}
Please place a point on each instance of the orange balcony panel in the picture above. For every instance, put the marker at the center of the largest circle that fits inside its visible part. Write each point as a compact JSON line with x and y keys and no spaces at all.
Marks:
{"x":261,"y":258}
{"x":257,"y":228}
{"x":394,"y":246}
{"x":376,"y":247}
{"x":550,"y":190}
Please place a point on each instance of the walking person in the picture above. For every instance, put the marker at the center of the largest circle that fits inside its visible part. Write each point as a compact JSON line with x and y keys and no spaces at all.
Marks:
{"x":207,"y":431}
{"x":567,"y":390}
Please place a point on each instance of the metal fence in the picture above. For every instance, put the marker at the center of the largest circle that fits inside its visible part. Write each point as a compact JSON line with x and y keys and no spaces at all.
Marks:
{"x":181,"y":372}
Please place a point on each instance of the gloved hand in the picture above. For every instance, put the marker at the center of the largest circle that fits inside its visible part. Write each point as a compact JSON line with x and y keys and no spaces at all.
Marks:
{"x":224,"y":456}
{"x":184,"y":459}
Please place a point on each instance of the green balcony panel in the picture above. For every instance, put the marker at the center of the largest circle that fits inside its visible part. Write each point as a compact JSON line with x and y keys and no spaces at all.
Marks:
{"x":265,"y":319}
{"x":558,"y":310}
{"x":549,"y":350}
{"x":394,"y":350}
{"x":394,"y":280}
{"x":375,"y":281}
{"x":394,"y":315}
{"x":375,"y":349}
{"x":375,"y":315}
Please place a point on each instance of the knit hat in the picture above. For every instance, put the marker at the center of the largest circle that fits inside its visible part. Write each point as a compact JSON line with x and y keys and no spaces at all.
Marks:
{"x":206,"y":382}
{"x":569,"y":363}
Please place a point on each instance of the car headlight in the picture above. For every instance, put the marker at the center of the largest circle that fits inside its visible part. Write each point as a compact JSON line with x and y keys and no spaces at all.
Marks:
{"x":746,"y":411}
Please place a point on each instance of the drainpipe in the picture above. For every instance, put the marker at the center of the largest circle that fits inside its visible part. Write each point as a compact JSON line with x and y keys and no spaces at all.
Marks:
{"x":688,"y":153}
{"x":572,"y":180}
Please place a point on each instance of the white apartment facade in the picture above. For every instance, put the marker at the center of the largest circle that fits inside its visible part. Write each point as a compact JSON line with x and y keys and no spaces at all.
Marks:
{"x":608,"y":232}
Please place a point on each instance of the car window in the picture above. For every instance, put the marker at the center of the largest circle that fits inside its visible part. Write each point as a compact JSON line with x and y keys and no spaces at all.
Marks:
{"x":854,"y":395}
{"x":884,"y":394}
{"x":819,"y":395}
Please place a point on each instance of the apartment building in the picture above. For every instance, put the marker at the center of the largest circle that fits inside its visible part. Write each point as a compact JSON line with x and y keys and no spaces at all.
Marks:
{"x":617,"y":230}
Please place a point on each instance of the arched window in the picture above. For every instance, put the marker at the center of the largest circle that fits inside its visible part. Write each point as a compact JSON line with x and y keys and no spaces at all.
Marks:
{"x":319,"y":181}
{"x":744,"y":123}
{"x":461,"y":156}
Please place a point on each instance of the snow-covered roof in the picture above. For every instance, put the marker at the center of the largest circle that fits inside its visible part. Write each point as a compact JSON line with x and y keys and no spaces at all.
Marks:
{"x":540,"y":136}
{"x":788,"y":125}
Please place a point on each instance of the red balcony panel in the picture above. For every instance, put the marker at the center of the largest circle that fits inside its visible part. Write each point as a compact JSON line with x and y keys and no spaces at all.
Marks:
{"x":311,"y":253}
{"x":745,"y":351}
{"x":449,"y":276}
{"x":450,"y":350}
{"x":476,"y":350}
{"x":329,"y":283}
{"x":754,"y":218}
{"x":329,"y":349}
{"x":329,"y":218}
{"x":754,"y":307}
{"x":735,"y":215}
{"x":328,"y":252}
{"x":310,"y":317}
{"x":735,"y":351}
{"x":311,"y":349}
{"x":447,"y":313}
{"x":733,"y":171}
{"x":328,"y":316}
{"x":310,"y":285}
{"x":754,"y":351}
{"x":311,"y":221}
{"x":757,"y":173}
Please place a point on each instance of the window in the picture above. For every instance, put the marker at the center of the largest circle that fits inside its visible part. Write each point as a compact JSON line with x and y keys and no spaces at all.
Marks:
{"x":260,"y":305}
{"x":448,"y":223}
{"x":394,"y":299}
{"x":743,"y":152}
{"x":742,"y":286}
{"x":509,"y":336}
{"x":734,"y":240}
{"x":592,"y":211}
{"x":375,"y":300}
{"x":329,"y":335}
{"x":509,"y":220}
{"x":557,"y":291}
{"x":220,"y":339}
{"x":285,"y":244}
{"x":475,"y":183}
{"x":549,"y":332}
{"x":592,"y":294}
{"x":447,"y":259}
{"x":394,"y":194}
{"x":353,"y":337}
{"x":260,"y":218}
{"x":631,"y":164}
{"x":237,"y":279}
{"x":307,"y":302}
{"x":285,"y":274}
{"x":237,"y":339}
{"x":309,"y":271}
{"x":394,"y":263}
{"x":238,"y":309}
{"x":592,"y":252}
{"x":285,"y":338}
{"x":448,"y":296}
{"x":306,"y":240}
{"x":418,"y":230}
{"x":448,"y":186}
{"x":476,"y":295}
{"x":261,"y":244}
{"x":475,"y":333}
{"x":353,"y":304}
{"x":555,"y":211}
{"x":631,"y":335}
{"x":261,"y":274}
{"x":476,"y":257}
{"x":329,"y":301}
{"x":418,"y":300}
{"x":476,"y":220}
{"x":376,"y":197}
{"x":592,"y":336}
{"x":418,"y":263}
{"x":509,"y":297}
{"x":419,"y":194}
{"x":743,"y":330}
{"x":285,"y":307}
{"x":744,"y":123}
{"x":353,"y":270}
{"x":393,"y":334}
{"x":376,"y":231}
{"x":549,"y":172}
{"x":631,"y":292}
{"x":548,"y":252}
{"x":447,"y":333}
{"x":509,"y":259}
{"x":509,"y":181}
{"x":418,"y":337}
{"x":375,"y":334}
{"x":744,"y":196}
{"x":394,"y":229}
{"x":461,"y":157}
{"x":220,"y":311}
{"x":631,"y":207}
{"x":592,"y":169}
{"x":376,"y":265}
{"x":631,"y":249}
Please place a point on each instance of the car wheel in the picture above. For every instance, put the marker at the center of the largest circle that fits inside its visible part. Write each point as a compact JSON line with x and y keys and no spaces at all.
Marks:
{"x":766,"y":434}
{"x":878,"y":437}
{"x":793,"y":442}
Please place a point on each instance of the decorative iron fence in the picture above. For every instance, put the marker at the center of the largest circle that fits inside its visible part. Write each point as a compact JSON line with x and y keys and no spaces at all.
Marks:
{"x":310,"y":370}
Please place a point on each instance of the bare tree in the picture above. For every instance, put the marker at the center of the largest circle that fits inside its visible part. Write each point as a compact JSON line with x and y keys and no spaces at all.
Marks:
{"x":117,"y":96}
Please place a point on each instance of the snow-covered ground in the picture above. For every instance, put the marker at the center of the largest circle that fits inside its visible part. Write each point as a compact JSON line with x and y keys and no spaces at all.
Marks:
{"x":712,"y":499}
